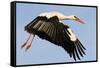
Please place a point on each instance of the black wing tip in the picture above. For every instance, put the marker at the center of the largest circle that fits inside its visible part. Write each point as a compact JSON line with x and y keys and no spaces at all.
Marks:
{"x":75,"y":56}
{"x":78,"y":51}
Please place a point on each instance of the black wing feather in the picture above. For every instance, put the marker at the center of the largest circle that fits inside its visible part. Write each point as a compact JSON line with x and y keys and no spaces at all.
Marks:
{"x":79,"y":51}
{"x":76,"y":51}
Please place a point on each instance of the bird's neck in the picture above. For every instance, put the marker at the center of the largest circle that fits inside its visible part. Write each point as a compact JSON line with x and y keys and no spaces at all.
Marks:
{"x":67,"y":18}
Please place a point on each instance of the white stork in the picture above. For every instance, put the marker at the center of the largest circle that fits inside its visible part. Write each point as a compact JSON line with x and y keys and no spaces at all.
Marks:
{"x":49,"y":26}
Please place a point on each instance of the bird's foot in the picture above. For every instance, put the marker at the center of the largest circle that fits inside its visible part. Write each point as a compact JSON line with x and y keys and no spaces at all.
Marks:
{"x":28,"y":47}
{"x":23,"y":44}
{"x":26,"y":41}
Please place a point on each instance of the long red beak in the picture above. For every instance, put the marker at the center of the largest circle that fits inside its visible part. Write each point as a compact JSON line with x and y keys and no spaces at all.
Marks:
{"x":81,"y":21}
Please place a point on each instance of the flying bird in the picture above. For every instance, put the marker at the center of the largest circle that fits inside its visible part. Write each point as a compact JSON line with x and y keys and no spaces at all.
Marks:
{"x":50,"y":26}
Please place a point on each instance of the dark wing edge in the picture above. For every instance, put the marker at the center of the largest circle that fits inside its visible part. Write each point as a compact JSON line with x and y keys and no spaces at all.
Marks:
{"x":75,"y":49}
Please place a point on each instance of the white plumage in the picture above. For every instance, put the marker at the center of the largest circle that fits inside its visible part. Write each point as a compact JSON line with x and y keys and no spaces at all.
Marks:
{"x":71,"y":35}
{"x":51,"y":14}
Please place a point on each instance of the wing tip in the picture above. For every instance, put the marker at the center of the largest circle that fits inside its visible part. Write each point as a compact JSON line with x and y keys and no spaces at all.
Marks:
{"x":78,"y":51}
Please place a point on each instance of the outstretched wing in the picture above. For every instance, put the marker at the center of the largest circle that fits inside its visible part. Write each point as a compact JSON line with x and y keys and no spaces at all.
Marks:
{"x":72,"y":45}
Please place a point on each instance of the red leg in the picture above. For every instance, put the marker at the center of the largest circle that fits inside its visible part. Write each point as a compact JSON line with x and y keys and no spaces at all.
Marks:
{"x":30,"y":43}
{"x":26,"y":41}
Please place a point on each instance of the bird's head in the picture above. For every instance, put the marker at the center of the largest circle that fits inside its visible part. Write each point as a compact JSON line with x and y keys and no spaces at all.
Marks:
{"x":75,"y":18}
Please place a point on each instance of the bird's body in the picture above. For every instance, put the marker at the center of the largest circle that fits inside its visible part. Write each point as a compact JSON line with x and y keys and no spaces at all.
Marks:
{"x":52,"y":14}
{"x":48,"y":26}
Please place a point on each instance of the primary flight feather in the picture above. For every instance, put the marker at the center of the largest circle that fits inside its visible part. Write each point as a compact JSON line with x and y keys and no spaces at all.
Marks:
{"x":49,"y":26}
